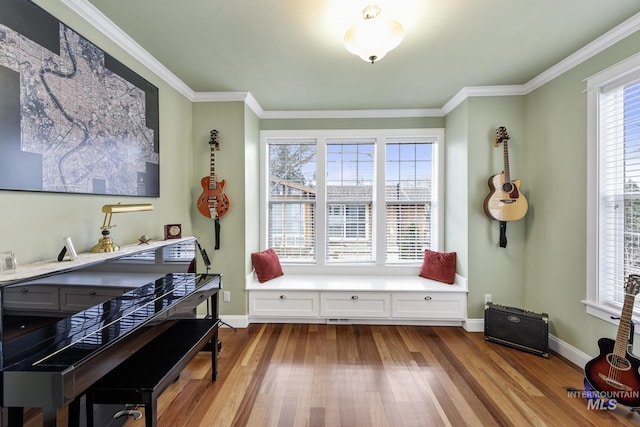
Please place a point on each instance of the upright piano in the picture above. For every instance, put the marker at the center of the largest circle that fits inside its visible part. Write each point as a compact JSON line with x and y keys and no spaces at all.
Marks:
{"x":65,"y":325}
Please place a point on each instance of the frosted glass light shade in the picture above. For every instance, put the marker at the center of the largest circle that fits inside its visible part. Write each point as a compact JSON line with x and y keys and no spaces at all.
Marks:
{"x":372,"y":38}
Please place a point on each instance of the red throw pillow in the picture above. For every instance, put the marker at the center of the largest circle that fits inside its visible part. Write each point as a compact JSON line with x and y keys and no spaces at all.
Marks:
{"x":440,"y":266}
{"x":266,"y":264}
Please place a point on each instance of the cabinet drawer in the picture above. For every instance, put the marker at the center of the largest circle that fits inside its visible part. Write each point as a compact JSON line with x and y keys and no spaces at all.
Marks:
{"x":78,"y":298}
{"x":284,"y":304}
{"x":425,"y":305}
{"x":32,"y":297}
{"x":355,"y":304}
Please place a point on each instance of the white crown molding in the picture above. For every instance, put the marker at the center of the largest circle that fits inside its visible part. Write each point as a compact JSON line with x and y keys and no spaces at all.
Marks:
{"x":219,"y":96}
{"x":623,"y":30}
{"x":471,"y":91}
{"x":352,"y":114}
{"x":94,"y":17}
{"x":610,"y":38}
{"x":245,"y":97}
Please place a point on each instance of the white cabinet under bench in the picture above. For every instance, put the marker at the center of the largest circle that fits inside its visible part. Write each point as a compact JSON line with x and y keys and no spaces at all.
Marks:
{"x":357,"y":299}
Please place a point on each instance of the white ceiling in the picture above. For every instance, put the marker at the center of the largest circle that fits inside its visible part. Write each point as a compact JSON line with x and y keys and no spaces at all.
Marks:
{"x":289,"y":54}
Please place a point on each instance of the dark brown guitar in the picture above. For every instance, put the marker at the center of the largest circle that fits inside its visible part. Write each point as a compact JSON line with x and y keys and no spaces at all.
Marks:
{"x":213,"y":202}
{"x":504,"y":202}
{"x":615,"y":371}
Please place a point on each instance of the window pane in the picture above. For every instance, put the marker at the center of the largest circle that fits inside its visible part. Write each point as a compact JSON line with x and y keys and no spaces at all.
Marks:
{"x":292,"y":171}
{"x":350,"y":180}
{"x":408,"y":200}
{"x":291,"y":230}
{"x":292,"y":194}
{"x":375,"y":206}
{"x":620,"y":190}
{"x":349,"y":233}
{"x":350,"y":169}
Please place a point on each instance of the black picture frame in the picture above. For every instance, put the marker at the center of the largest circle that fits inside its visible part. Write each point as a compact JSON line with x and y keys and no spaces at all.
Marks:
{"x":73,"y":119}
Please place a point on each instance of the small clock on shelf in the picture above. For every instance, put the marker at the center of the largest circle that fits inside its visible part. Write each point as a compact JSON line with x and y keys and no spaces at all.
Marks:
{"x":172,"y":231}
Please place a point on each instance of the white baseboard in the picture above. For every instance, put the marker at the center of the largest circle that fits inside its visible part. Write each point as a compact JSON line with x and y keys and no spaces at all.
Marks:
{"x":474,"y":325}
{"x":234,"y":321}
{"x":569,"y":352}
{"x":565,"y":350}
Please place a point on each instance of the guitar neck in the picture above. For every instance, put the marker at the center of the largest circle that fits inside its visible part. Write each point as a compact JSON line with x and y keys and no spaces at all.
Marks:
{"x":212,"y":175}
{"x":622,"y":338}
{"x":505,"y":153}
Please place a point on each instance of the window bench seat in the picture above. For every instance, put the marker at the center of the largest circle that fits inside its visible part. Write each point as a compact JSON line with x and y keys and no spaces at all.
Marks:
{"x":327,"y":298}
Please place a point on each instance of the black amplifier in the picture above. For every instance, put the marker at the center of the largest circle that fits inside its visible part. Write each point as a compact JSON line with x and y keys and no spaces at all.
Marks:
{"x":517,"y":328}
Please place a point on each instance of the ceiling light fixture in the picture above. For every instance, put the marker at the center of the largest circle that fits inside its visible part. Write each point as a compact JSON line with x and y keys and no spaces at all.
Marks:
{"x":372,"y":38}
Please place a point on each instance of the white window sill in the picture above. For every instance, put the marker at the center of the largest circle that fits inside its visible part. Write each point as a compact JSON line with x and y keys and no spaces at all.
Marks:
{"x":607,"y":313}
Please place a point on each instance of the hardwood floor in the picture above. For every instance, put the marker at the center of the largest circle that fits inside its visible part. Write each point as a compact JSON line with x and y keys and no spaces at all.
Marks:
{"x":360,"y":375}
{"x":356,"y":375}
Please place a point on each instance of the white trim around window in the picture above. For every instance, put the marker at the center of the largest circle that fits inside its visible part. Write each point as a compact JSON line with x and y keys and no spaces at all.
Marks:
{"x":605,"y":262}
{"x":379,"y":136}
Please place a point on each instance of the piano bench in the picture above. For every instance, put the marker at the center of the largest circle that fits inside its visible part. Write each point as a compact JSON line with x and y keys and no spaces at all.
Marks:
{"x":146,"y":374}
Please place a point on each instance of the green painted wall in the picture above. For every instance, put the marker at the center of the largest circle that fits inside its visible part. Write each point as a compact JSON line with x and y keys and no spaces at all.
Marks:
{"x":542,"y":268}
{"x":555,"y":152}
{"x":252,"y":186}
{"x":33,"y":225}
{"x":228,"y":118}
{"x":471,"y":160}
{"x":457,"y":187}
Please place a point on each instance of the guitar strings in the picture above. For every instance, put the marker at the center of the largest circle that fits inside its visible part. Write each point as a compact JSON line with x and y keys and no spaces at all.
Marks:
{"x":617,"y":362}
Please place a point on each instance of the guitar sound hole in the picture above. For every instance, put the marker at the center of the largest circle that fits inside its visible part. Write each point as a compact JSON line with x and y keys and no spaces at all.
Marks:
{"x":618,"y":362}
{"x":507,"y":187}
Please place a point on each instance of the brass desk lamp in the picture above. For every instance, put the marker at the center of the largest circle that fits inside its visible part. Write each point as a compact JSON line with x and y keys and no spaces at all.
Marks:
{"x":105,"y":244}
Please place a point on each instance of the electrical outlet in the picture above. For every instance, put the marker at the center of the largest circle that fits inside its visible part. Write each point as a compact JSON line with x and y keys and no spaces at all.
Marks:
{"x":226,"y":296}
{"x":487,"y":298}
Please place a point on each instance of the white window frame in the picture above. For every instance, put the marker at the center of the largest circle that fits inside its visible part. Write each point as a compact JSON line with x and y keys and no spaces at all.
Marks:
{"x":596,"y":304}
{"x":434,"y":135}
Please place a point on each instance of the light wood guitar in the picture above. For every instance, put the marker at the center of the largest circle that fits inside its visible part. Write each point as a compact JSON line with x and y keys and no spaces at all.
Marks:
{"x":213,"y":202}
{"x":614,"y":373}
{"x":504,"y":202}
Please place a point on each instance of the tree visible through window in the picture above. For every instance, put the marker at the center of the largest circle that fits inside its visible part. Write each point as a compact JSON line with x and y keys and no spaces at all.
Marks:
{"x":292,"y":196}
{"x":351,"y":199}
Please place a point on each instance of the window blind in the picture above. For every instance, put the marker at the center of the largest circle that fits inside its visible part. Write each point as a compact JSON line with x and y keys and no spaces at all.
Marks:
{"x":292,"y":198}
{"x":408,"y":200}
{"x":346,"y":198}
{"x":350,"y":184}
{"x":619,"y":177}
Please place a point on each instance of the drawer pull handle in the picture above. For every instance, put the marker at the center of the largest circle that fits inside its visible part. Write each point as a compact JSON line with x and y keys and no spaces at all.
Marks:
{"x":427,"y":298}
{"x":355,"y":297}
{"x":283,"y":297}
{"x":92,"y":292}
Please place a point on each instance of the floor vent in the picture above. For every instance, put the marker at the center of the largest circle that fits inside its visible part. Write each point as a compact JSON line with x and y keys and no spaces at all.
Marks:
{"x":338,"y":322}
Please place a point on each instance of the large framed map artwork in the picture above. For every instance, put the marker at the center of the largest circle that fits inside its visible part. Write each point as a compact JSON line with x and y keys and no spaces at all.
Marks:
{"x":72,"y":118}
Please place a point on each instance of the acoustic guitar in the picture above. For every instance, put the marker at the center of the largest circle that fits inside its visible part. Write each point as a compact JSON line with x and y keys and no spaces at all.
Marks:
{"x":504,"y":202}
{"x":614,"y":373}
{"x":213,"y":202}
